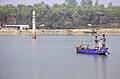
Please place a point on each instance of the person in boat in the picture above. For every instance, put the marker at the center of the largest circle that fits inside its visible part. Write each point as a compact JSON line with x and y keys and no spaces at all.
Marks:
{"x":103,"y":40}
{"x":82,"y":46}
{"x":96,"y":42}
{"x":100,"y":45}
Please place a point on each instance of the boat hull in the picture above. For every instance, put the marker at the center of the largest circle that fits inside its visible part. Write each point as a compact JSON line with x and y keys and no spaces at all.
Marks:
{"x":92,"y":51}
{"x":89,"y":31}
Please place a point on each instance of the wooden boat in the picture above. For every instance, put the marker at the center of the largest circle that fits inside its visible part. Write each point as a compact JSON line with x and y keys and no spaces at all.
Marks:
{"x":91,"y":51}
{"x":90,"y":31}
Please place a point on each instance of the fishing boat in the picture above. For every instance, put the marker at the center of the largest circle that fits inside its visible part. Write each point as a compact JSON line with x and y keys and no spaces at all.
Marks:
{"x":89,"y":31}
{"x":102,"y":51}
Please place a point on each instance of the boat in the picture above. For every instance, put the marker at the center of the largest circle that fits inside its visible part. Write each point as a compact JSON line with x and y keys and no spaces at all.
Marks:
{"x":102,"y":51}
{"x":90,"y":31}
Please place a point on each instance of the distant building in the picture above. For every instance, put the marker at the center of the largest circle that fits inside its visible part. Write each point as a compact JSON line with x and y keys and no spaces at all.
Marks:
{"x":19,"y":27}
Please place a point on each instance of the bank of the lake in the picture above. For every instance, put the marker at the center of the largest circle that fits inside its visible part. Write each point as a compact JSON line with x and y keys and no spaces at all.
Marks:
{"x":107,"y":31}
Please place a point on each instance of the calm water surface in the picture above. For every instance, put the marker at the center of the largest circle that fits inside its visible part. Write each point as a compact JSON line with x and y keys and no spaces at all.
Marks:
{"x":54,"y":57}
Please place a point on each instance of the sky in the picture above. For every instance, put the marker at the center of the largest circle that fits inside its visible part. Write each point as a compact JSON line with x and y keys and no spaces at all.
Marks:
{"x":51,"y":2}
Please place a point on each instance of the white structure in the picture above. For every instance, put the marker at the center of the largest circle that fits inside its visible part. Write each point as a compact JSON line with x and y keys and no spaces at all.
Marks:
{"x":42,"y":25}
{"x":90,"y":25}
{"x":33,"y":26}
{"x":20,"y":27}
{"x":33,"y":21}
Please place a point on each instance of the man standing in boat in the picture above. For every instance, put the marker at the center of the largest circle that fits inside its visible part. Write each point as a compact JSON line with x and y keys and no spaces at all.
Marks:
{"x":96,"y":42}
{"x":100,"y":43}
{"x":103,"y":40}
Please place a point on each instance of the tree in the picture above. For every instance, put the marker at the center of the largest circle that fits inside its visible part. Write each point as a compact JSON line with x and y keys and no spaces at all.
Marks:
{"x":4,"y":14}
{"x":89,"y":2}
{"x":96,"y":2}
{"x":60,"y":16}
{"x":110,"y":4}
{"x":71,"y":2}
{"x":83,"y":3}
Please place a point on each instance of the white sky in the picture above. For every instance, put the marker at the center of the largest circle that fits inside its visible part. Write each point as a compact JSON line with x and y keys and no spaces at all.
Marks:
{"x":51,"y":2}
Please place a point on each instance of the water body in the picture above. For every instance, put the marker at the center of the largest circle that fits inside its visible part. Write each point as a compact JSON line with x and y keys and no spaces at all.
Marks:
{"x":54,"y":57}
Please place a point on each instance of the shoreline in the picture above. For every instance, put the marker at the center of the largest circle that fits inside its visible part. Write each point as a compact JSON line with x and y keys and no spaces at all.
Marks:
{"x":110,"y":31}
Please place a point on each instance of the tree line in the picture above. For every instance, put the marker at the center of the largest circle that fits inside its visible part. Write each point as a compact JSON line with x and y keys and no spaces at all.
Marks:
{"x":68,"y":15}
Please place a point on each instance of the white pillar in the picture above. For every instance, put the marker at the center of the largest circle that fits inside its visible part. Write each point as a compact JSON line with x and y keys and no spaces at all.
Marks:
{"x":33,"y":26}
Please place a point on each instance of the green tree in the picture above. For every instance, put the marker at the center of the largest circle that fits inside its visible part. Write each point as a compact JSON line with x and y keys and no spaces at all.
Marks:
{"x":60,"y":16}
{"x":96,"y":2}
{"x":89,"y":3}
{"x":4,"y":14}
{"x":71,"y":2}
{"x":110,"y":4}
{"x":83,"y":3}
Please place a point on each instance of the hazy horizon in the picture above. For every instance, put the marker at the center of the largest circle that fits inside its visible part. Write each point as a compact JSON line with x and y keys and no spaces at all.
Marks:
{"x":51,"y":2}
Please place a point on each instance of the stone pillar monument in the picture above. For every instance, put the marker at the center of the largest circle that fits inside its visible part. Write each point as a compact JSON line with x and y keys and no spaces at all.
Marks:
{"x":33,"y":26}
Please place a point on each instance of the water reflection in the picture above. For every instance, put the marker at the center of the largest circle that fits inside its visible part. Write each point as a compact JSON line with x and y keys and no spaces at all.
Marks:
{"x":100,"y":66}
{"x":34,"y":55}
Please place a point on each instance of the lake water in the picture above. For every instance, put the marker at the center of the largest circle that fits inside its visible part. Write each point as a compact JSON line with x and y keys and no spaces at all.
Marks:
{"x":54,"y":57}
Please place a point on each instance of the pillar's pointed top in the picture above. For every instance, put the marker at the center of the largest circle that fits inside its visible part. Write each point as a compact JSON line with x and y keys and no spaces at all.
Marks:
{"x":33,"y":12}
